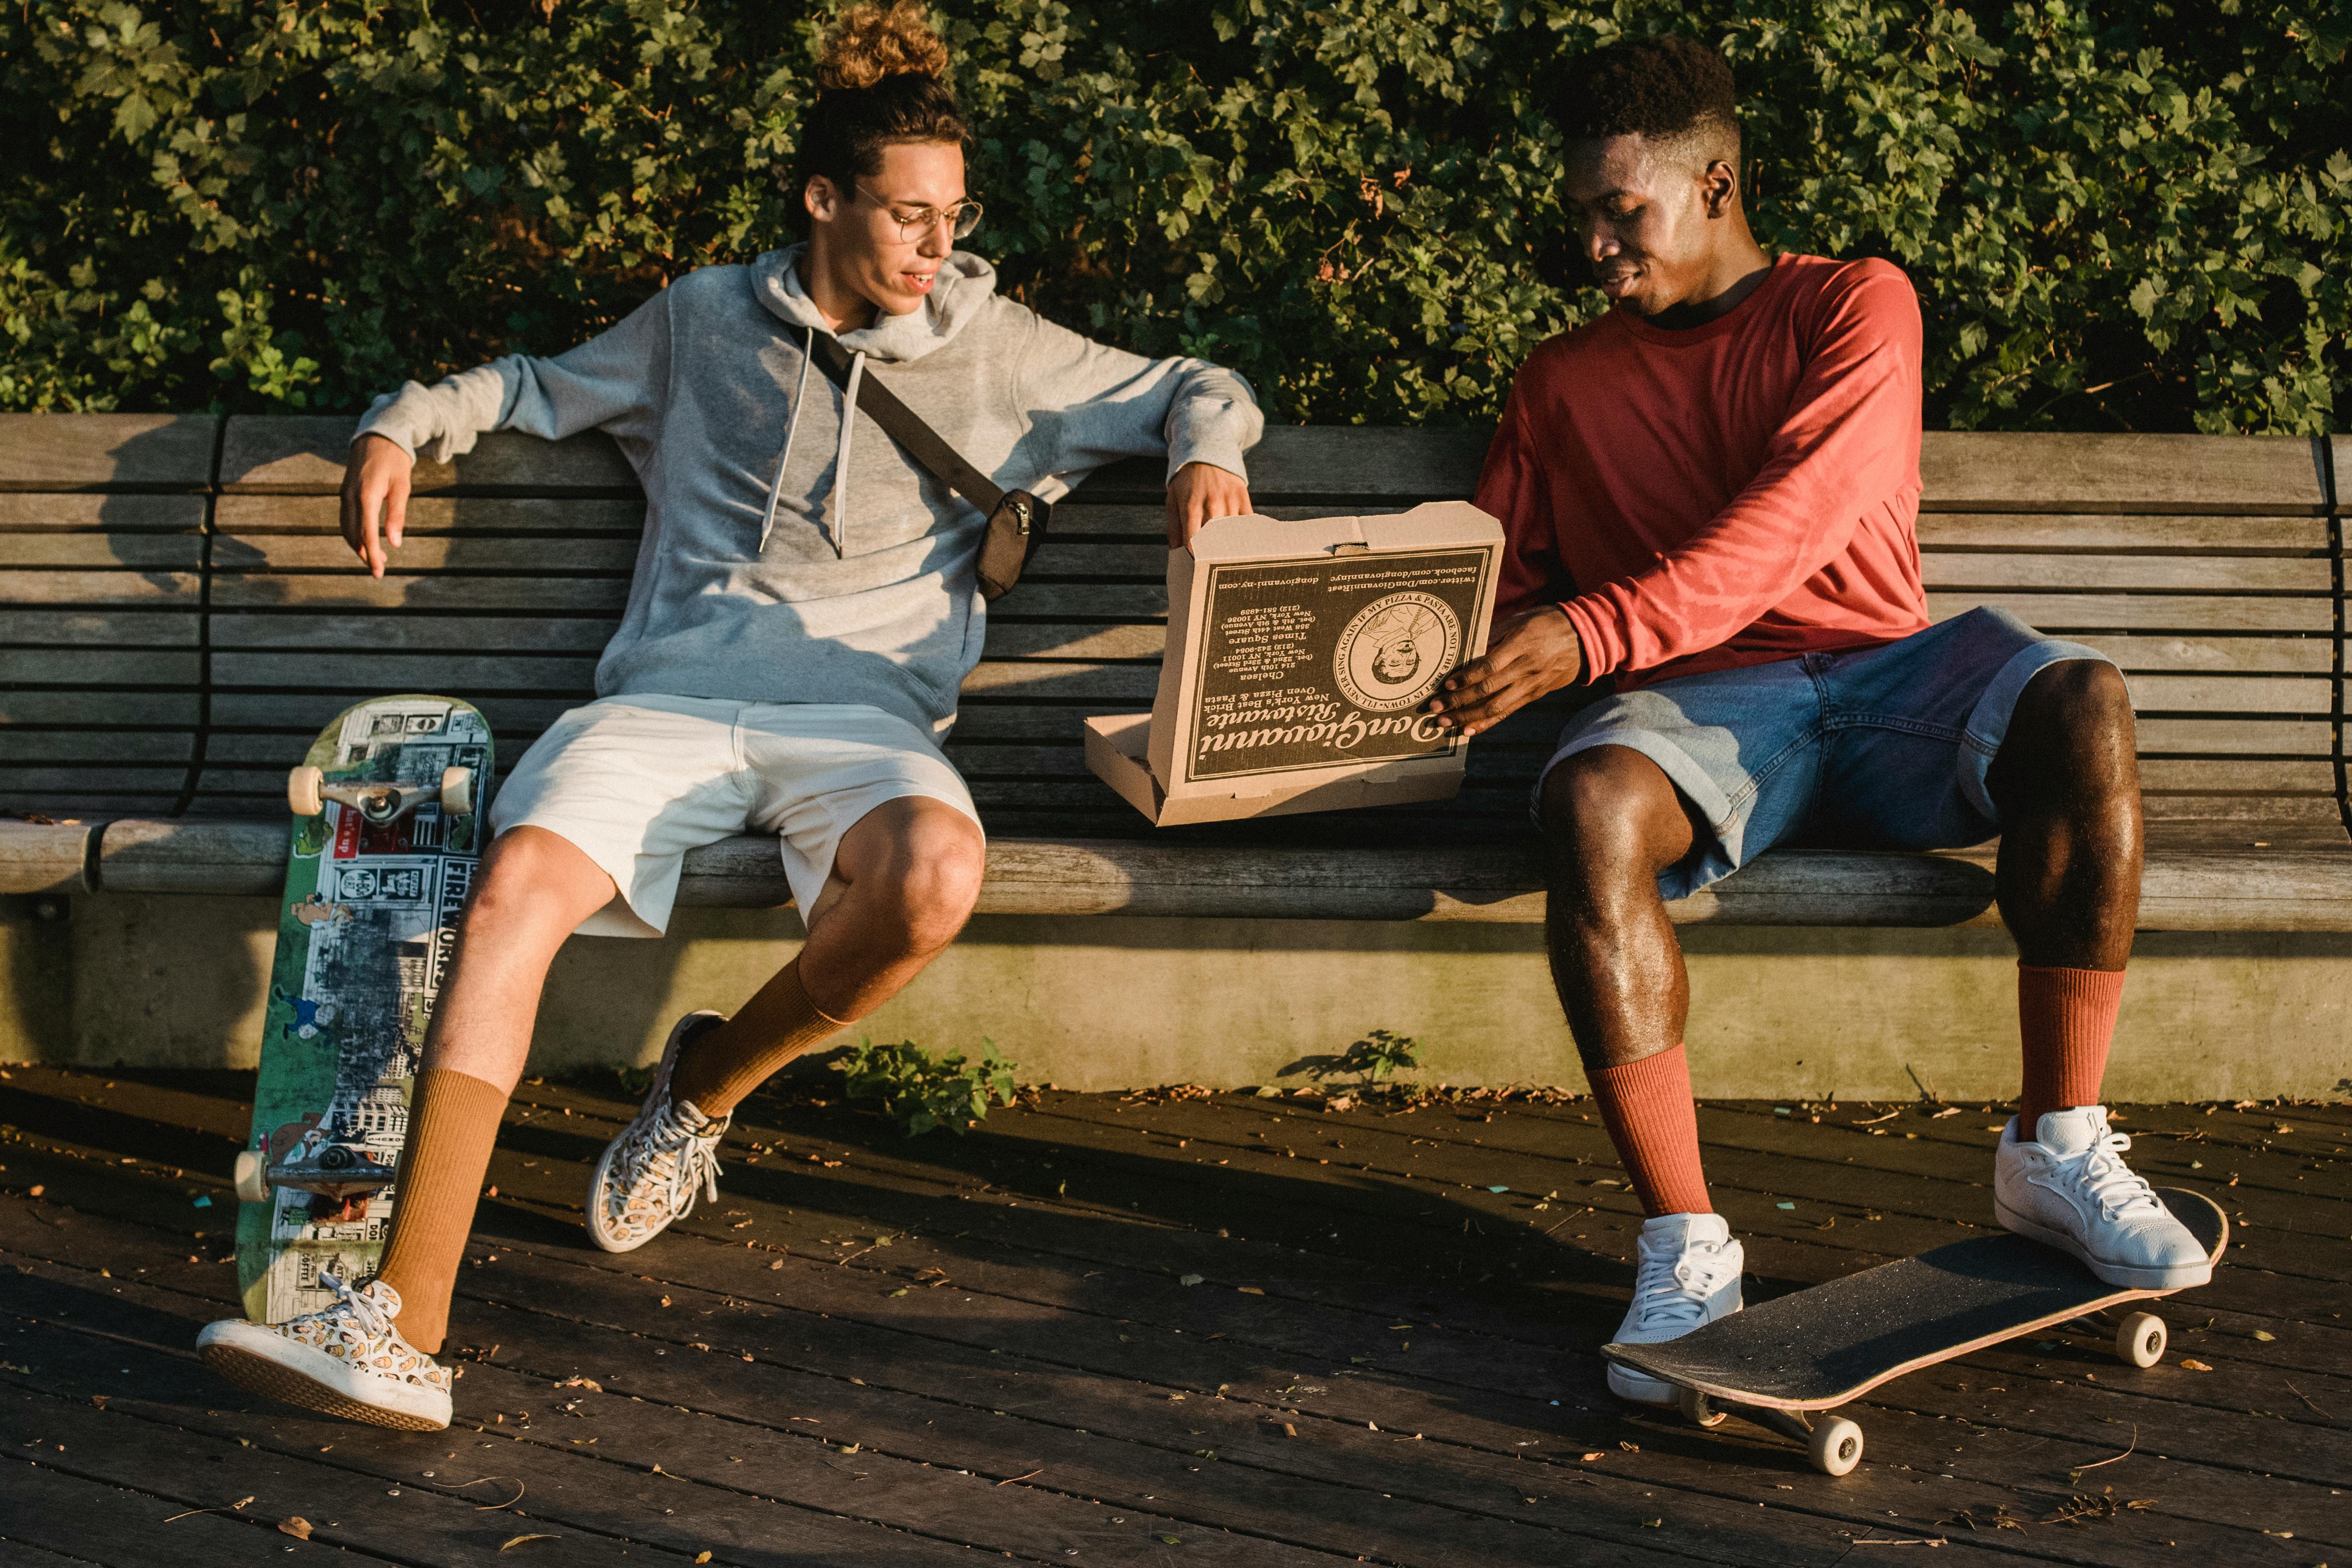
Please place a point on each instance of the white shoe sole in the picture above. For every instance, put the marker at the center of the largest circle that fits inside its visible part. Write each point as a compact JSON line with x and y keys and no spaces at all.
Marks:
{"x":1638,"y":1387}
{"x":2168,"y":1277}
{"x":291,"y":1373}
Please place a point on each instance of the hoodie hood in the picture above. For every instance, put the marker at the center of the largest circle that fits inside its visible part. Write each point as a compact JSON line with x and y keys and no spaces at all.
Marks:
{"x":963,"y":288}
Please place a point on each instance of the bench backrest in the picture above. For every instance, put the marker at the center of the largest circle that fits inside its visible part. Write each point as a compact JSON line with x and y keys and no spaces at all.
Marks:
{"x":180,"y":614}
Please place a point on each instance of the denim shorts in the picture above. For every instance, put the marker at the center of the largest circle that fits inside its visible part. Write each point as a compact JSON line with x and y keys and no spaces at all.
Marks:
{"x":1884,"y":748}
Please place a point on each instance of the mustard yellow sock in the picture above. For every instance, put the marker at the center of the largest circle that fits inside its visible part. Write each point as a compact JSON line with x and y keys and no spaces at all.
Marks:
{"x":453,"y":1121}
{"x":722,"y":1064}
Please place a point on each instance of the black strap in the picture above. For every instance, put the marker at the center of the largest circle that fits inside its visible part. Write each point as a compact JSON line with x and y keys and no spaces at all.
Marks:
{"x":907,"y":428}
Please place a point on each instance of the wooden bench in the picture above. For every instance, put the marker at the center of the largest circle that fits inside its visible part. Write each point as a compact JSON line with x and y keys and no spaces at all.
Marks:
{"x":180,"y":615}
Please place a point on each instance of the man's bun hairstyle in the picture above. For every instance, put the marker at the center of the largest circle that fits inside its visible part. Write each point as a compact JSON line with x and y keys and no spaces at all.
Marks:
{"x":1659,"y":88}
{"x":882,"y":80}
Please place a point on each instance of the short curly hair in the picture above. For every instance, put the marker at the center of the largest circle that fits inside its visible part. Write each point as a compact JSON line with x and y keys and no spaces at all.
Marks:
{"x":1658,"y":87}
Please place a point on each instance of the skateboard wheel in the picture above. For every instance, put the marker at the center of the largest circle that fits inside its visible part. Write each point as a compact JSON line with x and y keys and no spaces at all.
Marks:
{"x":457,"y":791}
{"x":2140,"y":1339}
{"x":302,"y":791}
{"x":1836,"y":1445}
{"x":1698,"y":1409}
{"x":251,"y":1187}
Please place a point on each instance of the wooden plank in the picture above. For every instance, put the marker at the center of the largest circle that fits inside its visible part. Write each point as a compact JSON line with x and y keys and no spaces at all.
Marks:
{"x":535,"y":556}
{"x":130,"y":551}
{"x":2230,"y":694}
{"x":1077,"y":682}
{"x":318,"y":590}
{"x":156,"y":588}
{"x":98,"y":628}
{"x":2312,"y":820}
{"x":100,"y":1521}
{"x":396,"y":632}
{"x":1986,"y":571}
{"x":247,"y":514}
{"x":100,"y":666}
{"x":1978,"y":471}
{"x":1094,"y":601}
{"x":2235,"y":738}
{"x":1016,"y":639}
{"x":1301,"y":462}
{"x":45,"y":857}
{"x":304,"y":712}
{"x":91,"y":781}
{"x":2139,"y":535}
{"x":455,"y":673}
{"x":38,"y":512}
{"x":264,"y":453}
{"x":106,"y":451}
{"x":144,"y":709}
{"x":19,"y":744}
{"x":2065,"y":613}
{"x":2216,"y":654}
{"x":1146,"y":522}
{"x":2224,"y":776}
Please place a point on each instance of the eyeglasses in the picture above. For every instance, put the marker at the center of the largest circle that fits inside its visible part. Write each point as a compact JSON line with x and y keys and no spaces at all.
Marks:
{"x":914,"y":223}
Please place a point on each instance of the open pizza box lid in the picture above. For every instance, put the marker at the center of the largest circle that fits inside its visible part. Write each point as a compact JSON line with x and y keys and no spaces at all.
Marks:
{"x":1299,"y":654}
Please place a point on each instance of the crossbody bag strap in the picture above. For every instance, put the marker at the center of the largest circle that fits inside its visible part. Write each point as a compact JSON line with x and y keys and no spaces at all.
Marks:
{"x":906,"y":427}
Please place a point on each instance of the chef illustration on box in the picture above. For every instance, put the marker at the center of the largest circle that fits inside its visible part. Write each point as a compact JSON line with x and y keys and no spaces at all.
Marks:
{"x":1391,"y":655}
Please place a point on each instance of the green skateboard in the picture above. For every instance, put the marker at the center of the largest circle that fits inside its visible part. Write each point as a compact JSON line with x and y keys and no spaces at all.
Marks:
{"x":387,"y":833}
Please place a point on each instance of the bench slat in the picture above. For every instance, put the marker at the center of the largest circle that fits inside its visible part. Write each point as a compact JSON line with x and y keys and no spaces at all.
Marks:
{"x":100,"y":666}
{"x":244,"y":514}
{"x":127,"y":587}
{"x":1979,"y":471}
{"x":436,"y":553}
{"x":2089,"y":573}
{"x":414,"y":633}
{"x":267,"y":454}
{"x":40,"y":512}
{"x":99,"y":628}
{"x":97,"y":747}
{"x":106,"y":451}
{"x":253,"y":591}
{"x":2064,"y":612}
{"x":144,"y":709}
{"x":128,"y":551}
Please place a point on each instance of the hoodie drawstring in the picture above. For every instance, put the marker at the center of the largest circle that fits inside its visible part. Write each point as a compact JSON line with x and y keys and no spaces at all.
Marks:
{"x":840,"y":497}
{"x":792,"y":427}
{"x":841,"y":457}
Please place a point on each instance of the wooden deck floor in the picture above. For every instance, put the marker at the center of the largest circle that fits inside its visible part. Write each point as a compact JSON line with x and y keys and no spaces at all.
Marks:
{"x":873,"y":1350}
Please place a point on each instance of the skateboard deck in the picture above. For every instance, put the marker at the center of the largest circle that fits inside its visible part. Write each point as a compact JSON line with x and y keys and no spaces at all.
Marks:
{"x":374,"y":884}
{"x":1819,"y":1348}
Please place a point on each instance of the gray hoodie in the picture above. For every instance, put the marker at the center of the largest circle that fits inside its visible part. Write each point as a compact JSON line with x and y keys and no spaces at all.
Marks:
{"x":789,"y":556}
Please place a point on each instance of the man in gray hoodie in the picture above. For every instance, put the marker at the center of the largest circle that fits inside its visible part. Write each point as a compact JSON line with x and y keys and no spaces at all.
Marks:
{"x":803,"y":611}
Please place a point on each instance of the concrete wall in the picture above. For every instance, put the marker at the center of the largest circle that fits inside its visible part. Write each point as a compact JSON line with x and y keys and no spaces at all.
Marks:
{"x":1108,"y":1003}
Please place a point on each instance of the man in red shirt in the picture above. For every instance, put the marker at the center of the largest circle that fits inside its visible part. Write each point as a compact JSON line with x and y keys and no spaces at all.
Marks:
{"x":1710,"y":495}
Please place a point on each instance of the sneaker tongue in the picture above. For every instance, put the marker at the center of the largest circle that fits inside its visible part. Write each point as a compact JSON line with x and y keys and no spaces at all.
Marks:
{"x":1675,"y":1231}
{"x":2072,"y":1131}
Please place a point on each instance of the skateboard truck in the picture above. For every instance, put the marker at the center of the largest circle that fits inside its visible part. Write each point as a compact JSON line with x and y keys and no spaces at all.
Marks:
{"x":307,"y":792}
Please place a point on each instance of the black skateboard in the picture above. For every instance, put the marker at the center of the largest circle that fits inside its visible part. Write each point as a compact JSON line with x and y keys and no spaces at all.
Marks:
{"x":1816,"y":1349}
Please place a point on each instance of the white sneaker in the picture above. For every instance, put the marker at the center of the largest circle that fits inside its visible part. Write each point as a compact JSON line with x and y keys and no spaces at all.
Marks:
{"x":346,"y":1360}
{"x":656,"y":1168}
{"x":1689,"y":1276}
{"x":2072,"y":1190}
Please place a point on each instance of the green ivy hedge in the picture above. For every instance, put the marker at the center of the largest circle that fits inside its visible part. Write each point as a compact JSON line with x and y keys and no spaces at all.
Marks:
{"x":2120,"y":214}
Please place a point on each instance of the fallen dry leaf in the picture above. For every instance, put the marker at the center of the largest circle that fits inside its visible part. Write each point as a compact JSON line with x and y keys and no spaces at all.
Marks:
{"x":2193,"y":1364}
{"x":512,"y":1542}
{"x":1590,"y":1458}
{"x":295,"y":1525}
{"x":702,"y":1557}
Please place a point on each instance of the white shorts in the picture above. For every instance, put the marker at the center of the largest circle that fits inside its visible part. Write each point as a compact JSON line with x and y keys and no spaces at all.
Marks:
{"x":634,"y":782}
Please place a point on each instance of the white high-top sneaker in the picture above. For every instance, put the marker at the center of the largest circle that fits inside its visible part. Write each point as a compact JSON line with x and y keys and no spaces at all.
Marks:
{"x":1688,"y":1276}
{"x":657,"y":1166}
{"x":346,"y":1360}
{"x":2071,"y":1189}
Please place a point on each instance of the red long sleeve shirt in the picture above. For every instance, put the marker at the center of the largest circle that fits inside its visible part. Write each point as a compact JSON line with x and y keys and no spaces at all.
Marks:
{"x":1742,"y":491}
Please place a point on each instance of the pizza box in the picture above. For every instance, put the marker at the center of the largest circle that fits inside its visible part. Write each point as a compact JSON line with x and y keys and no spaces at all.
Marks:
{"x":1299,"y":654}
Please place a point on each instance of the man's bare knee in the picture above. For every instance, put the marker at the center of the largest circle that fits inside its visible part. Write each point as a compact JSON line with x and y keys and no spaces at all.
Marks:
{"x":927,"y":879}
{"x":533,"y":882}
{"x":1613,"y":811}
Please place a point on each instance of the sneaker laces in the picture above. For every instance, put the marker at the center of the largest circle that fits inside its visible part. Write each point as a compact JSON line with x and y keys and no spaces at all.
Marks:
{"x":693,"y":1155}
{"x":365,"y":1309}
{"x":2099,"y":1174}
{"x":1673,"y":1288}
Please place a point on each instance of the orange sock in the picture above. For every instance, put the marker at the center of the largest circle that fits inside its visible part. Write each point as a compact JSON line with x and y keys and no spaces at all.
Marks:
{"x":1653,"y":1122}
{"x":2066,"y":1019}
{"x":722,"y":1065}
{"x":453,"y":1121}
